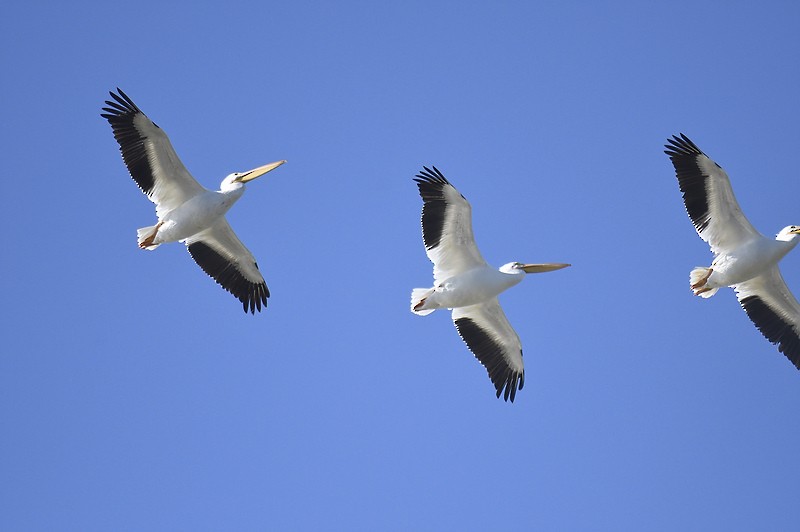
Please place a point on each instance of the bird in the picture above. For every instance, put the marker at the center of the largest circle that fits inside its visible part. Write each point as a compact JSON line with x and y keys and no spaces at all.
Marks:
{"x":465,"y":283}
{"x":187,"y":211}
{"x":744,"y":259}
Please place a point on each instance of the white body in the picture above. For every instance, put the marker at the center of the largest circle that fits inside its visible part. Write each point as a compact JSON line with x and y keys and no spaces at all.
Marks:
{"x":747,"y":261}
{"x":471,"y":287}
{"x":195,"y":215}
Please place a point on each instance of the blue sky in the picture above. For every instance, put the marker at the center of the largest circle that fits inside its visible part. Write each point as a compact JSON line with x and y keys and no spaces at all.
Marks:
{"x":136,"y":395}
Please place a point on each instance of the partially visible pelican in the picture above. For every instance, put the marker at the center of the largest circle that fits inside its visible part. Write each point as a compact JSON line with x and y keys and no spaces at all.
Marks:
{"x":465,"y":283}
{"x":744,"y":259}
{"x":186,"y":211}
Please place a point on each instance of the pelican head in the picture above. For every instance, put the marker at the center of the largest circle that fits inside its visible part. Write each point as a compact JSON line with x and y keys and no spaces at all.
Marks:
{"x":788,"y":233}
{"x":244,"y":177}
{"x":519,"y":268}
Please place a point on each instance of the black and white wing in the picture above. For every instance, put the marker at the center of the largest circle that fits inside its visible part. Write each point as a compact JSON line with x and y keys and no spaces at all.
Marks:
{"x":149,"y":155}
{"x":220,"y":253}
{"x":487,"y":333}
{"x":446,"y":226}
{"x":774,"y":310}
{"x":708,"y":197}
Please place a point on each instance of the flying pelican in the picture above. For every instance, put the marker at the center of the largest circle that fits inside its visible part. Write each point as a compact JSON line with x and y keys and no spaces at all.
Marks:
{"x":187,"y":211}
{"x":465,"y":283}
{"x":744,"y":259}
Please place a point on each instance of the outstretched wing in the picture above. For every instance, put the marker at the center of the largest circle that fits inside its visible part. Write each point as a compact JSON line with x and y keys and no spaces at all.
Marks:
{"x":220,"y":253}
{"x":487,"y":333}
{"x":446,"y":226}
{"x":708,"y":197}
{"x":149,"y":155}
{"x":774,"y":310}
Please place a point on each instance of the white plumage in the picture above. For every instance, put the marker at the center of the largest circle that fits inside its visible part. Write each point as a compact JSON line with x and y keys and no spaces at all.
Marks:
{"x":187,"y":211}
{"x":744,"y":259}
{"x":465,"y":283}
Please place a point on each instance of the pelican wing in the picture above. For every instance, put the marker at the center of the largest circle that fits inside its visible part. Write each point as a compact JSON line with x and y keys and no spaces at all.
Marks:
{"x":774,"y":310}
{"x":446,"y":226}
{"x":220,"y":253}
{"x":487,"y":333}
{"x":708,"y":197}
{"x":149,"y":155}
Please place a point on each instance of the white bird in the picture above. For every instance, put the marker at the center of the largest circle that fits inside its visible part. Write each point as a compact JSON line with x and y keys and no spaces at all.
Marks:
{"x":744,"y":259}
{"x":465,"y":283}
{"x":186,"y":211}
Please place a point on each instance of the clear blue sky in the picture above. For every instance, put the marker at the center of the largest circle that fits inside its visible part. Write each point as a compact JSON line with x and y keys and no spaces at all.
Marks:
{"x":136,"y":395}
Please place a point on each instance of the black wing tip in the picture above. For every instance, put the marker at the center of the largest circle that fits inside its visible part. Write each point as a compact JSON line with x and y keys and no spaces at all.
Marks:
{"x":681,"y":147}
{"x":775,"y":329}
{"x":431,"y":176}
{"x":119,"y":106}
{"x":254,"y":299}
{"x":508,"y":388}
{"x":431,"y":183}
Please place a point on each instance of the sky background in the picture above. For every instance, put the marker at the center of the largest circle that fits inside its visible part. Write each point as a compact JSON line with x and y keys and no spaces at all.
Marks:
{"x":136,"y":395}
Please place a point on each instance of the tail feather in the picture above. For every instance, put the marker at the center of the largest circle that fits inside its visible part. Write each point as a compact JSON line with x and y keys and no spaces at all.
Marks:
{"x":706,"y":292}
{"x":146,"y":233}
{"x":698,"y":279}
{"x":418,"y":296}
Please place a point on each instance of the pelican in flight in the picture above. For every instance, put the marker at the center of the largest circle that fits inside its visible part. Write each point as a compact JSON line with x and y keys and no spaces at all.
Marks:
{"x":465,"y":283}
{"x":744,"y":259}
{"x":187,"y":211}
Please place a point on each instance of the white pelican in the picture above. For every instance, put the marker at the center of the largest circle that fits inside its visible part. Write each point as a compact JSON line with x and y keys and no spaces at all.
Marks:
{"x":465,"y":283}
{"x":186,"y":211}
{"x":744,"y":259}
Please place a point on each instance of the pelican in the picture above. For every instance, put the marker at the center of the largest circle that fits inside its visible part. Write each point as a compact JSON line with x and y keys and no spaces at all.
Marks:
{"x":186,"y":211}
{"x":465,"y":283}
{"x":744,"y":259}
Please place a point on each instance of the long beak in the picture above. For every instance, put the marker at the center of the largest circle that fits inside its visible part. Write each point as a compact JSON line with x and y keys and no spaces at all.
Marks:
{"x":258,"y":172}
{"x":795,"y":231}
{"x":541,"y":268}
